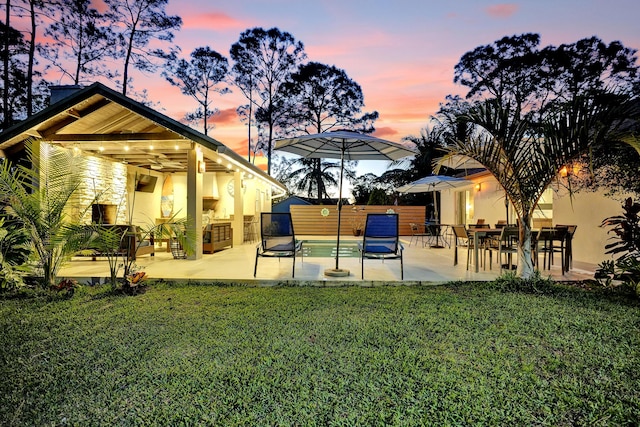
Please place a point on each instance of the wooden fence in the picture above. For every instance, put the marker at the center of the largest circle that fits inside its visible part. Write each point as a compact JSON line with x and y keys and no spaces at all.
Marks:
{"x":310,"y":219}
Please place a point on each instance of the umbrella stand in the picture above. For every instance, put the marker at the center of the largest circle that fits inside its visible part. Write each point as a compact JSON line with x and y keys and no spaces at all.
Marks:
{"x":338,"y":272}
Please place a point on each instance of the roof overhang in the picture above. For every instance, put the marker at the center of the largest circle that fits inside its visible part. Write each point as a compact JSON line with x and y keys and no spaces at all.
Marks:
{"x":105,"y":123}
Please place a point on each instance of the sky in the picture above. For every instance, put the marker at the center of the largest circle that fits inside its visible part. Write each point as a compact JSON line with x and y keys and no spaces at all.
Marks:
{"x":401,"y":52}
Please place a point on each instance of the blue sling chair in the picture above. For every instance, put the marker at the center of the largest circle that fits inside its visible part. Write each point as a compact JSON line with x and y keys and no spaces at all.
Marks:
{"x":381,"y":240}
{"x":277,"y":239}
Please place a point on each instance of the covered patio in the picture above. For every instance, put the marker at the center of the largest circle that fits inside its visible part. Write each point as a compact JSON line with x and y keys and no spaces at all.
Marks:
{"x":422,"y":265}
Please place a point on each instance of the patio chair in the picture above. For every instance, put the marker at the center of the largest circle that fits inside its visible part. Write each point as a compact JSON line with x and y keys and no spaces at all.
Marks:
{"x":381,"y":240}
{"x":416,"y":234}
{"x":462,"y":239}
{"x":506,"y":244}
{"x":571,"y":230}
{"x":546,"y":244}
{"x":277,"y":239}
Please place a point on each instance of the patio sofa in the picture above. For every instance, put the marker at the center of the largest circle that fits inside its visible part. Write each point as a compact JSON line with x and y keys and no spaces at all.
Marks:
{"x":133,"y":244}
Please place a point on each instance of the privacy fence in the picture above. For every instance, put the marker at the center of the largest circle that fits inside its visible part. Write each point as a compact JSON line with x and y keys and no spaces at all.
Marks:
{"x":323,"y":220}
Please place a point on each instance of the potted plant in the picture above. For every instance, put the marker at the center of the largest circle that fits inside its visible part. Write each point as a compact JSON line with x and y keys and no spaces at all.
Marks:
{"x":357,"y":220}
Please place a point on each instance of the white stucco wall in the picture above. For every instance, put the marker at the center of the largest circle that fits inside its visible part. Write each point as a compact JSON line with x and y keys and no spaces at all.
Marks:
{"x":587,"y":210}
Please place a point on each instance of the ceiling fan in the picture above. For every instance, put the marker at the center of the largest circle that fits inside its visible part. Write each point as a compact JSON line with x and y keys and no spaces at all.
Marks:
{"x":159,"y":163}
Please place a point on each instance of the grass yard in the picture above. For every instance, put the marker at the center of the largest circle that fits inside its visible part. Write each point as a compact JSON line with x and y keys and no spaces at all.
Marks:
{"x":207,"y":355}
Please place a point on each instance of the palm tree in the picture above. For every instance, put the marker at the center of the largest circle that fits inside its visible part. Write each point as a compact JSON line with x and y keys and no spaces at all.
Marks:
{"x":311,"y":176}
{"x":525,"y":154}
{"x":37,"y":197}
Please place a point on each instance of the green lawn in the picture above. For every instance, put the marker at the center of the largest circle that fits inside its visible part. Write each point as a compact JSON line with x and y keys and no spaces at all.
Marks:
{"x":207,"y":355}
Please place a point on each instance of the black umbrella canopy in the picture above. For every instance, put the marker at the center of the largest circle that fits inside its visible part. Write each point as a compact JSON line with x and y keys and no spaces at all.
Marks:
{"x":343,"y":145}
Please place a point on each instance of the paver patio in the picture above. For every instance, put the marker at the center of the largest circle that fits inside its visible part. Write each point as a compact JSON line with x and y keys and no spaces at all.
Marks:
{"x":421,"y":265}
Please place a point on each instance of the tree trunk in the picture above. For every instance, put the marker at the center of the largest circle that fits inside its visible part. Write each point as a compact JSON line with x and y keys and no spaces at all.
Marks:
{"x":5,"y":77}
{"x":269,"y":142}
{"x":317,"y":166}
{"x":32,"y":52}
{"x":127,"y":59}
{"x":205,"y":109}
{"x":525,"y":257}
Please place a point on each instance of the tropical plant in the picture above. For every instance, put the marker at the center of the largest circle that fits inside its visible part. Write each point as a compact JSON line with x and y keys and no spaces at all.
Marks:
{"x":114,"y":243}
{"x":525,"y":155}
{"x":625,"y":269}
{"x":14,"y":254}
{"x":37,"y":194}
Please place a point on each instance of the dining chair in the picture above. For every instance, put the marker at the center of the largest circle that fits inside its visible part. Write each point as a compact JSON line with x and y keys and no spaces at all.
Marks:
{"x":416,"y":234}
{"x":501,"y":223}
{"x":571,"y":230}
{"x":462,"y":239}
{"x":277,"y":239}
{"x":381,"y":240}
{"x":545,"y":244}
{"x":506,"y":244}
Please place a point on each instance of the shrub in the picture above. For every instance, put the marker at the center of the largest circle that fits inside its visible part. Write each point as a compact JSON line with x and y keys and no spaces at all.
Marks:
{"x":511,"y":282}
{"x":14,"y":254}
{"x":624,"y":270}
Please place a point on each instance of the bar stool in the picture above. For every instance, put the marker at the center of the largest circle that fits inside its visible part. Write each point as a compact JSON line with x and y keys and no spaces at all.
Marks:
{"x":250,"y":229}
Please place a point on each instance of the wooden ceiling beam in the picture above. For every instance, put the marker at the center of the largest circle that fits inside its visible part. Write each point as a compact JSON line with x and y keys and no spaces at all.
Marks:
{"x":89,"y":137}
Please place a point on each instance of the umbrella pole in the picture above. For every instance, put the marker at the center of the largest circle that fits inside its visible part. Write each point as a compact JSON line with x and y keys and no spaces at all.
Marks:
{"x":337,"y":272}
{"x":339,"y":207}
{"x":435,"y":205}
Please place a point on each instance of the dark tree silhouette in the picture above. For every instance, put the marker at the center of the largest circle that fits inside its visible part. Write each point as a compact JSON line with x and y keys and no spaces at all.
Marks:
{"x":263,"y":62}
{"x":323,"y":98}
{"x":81,"y":40}
{"x":138,"y":23}
{"x":199,"y":78}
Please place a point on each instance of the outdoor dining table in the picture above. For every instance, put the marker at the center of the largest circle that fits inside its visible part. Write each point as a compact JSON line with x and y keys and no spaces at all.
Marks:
{"x":478,"y":234}
{"x":437,"y":232}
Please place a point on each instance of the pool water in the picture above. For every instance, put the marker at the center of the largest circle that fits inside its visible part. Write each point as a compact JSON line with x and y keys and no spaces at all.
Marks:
{"x":327,"y":248}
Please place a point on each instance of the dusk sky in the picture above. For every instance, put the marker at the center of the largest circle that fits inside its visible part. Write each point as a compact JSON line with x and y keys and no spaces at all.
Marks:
{"x":401,"y":52}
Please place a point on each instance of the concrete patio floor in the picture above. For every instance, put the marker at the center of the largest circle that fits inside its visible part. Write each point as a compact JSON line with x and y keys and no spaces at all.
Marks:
{"x":235,"y":265}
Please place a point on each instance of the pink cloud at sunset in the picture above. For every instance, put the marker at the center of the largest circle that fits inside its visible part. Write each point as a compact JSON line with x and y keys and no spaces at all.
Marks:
{"x":386,"y":132}
{"x":226,"y":116}
{"x":215,"y":21}
{"x":503,"y":10}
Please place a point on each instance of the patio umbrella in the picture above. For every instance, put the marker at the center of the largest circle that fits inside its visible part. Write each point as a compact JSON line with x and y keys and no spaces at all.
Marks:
{"x":343,"y":145}
{"x":458,"y":161}
{"x":434,"y":183}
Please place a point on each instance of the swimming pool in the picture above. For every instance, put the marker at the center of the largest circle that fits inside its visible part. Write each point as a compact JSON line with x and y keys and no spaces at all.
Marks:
{"x":327,"y":248}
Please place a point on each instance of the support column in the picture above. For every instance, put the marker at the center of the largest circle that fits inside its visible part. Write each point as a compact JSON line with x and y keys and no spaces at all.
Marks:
{"x":194,"y":200}
{"x":238,"y":210}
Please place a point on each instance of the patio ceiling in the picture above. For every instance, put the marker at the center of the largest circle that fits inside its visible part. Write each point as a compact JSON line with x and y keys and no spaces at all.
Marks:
{"x":104,"y":123}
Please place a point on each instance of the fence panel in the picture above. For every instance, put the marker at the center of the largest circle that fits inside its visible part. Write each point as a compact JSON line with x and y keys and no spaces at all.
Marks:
{"x":310,"y":219}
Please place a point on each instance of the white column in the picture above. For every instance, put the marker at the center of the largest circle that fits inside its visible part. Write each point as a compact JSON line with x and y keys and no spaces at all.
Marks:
{"x":194,"y":199}
{"x":238,"y":210}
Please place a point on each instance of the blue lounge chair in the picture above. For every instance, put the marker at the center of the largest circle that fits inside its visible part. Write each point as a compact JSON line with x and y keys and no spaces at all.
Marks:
{"x":277,"y":239}
{"x":381,"y":240}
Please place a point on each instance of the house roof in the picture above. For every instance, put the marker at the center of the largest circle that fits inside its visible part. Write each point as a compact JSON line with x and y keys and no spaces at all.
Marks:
{"x":105,"y":123}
